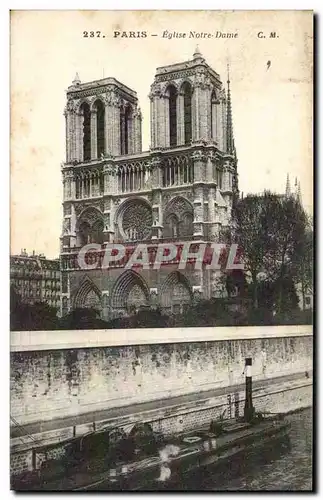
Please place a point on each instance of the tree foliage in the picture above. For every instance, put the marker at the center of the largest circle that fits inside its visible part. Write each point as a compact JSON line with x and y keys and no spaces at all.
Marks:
{"x":37,"y":316}
{"x":270,"y":231}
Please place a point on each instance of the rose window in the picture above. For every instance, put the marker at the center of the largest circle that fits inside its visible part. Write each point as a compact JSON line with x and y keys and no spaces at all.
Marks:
{"x":136,"y":221}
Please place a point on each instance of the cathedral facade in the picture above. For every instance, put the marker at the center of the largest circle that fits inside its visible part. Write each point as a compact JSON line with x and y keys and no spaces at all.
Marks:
{"x":182,"y":189}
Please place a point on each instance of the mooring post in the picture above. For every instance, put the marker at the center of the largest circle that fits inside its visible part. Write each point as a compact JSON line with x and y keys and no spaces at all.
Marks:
{"x":248,"y":408}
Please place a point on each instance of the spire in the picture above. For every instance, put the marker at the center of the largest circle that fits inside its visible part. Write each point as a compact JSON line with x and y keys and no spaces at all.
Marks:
{"x":76,"y":80}
{"x":230,"y":139}
{"x":197,"y":54}
{"x":299,"y":193}
{"x":287,"y":190}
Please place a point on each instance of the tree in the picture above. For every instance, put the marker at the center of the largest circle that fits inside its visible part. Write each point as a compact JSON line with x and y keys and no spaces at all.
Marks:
{"x":269,"y":230}
{"x":38,"y":316}
{"x":82,"y":319}
{"x":247,"y":231}
{"x":303,"y":263}
{"x":285,"y":223}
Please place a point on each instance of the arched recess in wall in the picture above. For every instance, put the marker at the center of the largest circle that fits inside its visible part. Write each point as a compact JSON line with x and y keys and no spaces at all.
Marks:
{"x":86,"y":137}
{"x":214,"y":112}
{"x":130,"y":292}
{"x":171,"y":93}
{"x":178,"y":218}
{"x":89,"y":227}
{"x":100,"y":127}
{"x":176,"y":293}
{"x":88,"y":296}
{"x":186,"y":91}
{"x":125,"y":129}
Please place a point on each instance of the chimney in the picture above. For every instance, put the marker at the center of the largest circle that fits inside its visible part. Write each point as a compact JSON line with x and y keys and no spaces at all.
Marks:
{"x":249,"y":410}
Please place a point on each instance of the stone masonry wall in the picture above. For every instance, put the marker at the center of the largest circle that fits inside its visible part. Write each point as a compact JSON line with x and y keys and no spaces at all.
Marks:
{"x":58,"y":383}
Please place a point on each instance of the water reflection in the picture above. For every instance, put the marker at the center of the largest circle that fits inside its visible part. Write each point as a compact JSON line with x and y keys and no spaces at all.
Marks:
{"x":278,"y":468}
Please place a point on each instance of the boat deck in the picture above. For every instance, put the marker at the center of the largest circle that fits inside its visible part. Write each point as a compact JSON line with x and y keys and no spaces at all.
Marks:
{"x":193,"y":449}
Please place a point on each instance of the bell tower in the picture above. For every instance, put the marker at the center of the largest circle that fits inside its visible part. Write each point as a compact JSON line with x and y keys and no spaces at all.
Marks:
{"x":188,"y":104}
{"x":102,"y":117}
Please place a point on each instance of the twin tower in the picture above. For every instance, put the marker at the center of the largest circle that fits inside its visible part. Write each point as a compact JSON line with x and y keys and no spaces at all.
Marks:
{"x":182,"y":188}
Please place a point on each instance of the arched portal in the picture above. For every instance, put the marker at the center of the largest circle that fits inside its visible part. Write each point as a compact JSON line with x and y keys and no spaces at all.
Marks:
{"x":176,"y":293}
{"x":88,"y":296}
{"x":130,"y":292}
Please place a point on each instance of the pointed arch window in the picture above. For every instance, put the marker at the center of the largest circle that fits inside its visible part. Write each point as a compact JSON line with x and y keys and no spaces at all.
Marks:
{"x":100,"y":128}
{"x":214,"y":104}
{"x":172,"y":229}
{"x":125,"y":121}
{"x":172,"y":116}
{"x":86,"y":113}
{"x":187,"y":91}
{"x":186,"y":225}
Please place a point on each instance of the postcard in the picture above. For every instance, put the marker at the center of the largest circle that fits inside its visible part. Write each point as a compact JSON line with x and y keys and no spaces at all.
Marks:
{"x":161,"y":261}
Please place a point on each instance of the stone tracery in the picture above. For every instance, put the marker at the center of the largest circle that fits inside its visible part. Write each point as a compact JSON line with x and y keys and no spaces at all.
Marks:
{"x":135,"y":220}
{"x":90,"y":227}
{"x":176,"y":293}
{"x":178,"y":218}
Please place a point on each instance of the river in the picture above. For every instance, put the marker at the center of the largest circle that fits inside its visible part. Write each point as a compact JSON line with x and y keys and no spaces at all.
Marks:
{"x":288,"y":469}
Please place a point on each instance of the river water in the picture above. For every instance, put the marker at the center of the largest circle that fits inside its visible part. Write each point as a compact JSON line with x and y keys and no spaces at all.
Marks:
{"x":278,"y":469}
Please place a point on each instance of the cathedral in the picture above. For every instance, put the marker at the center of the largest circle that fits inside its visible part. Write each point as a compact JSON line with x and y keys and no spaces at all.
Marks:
{"x":182,"y":189}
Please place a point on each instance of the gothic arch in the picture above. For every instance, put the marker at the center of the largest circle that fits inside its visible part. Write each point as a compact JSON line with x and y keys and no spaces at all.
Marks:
{"x":172,"y":225}
{"x":130,"y":291}
{"x":213,"y":114}
{"x":178,"y":210}
{"x":88,"y":295}
{"x":176,"y":293}
{"x":126,"y":117}
{"x":81,"y":103}
{"x":94,"y":102}
{"x":186,"y":224}
{"x":172,"y":94}
{"x":91,"y":214}
{"x":185,"y":82}
{"x":99,"y":106}
{"x":85,"y":112}
{"x":187,"y":92}
{"x":89,"y":227}
{"x":171,"y":83}
{"x":180,"y":204}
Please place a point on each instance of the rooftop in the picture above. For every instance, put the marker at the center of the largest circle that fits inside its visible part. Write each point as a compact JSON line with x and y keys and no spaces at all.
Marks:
{"x":78,"y":86}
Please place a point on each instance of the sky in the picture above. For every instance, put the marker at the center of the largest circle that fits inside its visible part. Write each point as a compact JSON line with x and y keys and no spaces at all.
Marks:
{"x":272,"y":108}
